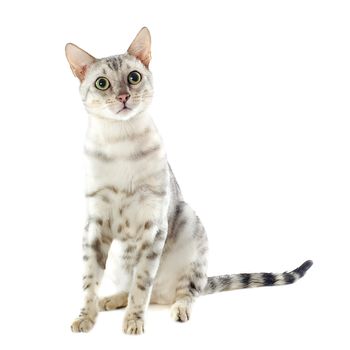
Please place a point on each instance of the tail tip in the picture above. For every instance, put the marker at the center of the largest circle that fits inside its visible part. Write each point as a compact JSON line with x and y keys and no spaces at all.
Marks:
{"x":301,"y":270}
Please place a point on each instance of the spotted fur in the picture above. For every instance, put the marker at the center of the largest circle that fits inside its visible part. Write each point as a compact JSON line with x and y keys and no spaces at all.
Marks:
{"x":133,"y":199}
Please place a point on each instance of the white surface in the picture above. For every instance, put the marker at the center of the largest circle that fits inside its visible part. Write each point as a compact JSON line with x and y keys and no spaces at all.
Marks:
{"x":270,"y":82}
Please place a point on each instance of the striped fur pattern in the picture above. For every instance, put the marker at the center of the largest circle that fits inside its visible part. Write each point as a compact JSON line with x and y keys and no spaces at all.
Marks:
{"x":159,"y":250}
{"x":251,"y":280}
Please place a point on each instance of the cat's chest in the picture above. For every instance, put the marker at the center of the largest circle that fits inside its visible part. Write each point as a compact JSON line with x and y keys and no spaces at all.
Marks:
{"x":124,"y":166}
{"x":120,"y":174}
{"x":129,"y":197}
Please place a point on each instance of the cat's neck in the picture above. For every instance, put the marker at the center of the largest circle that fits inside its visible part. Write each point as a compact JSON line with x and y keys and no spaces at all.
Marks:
{"x":102,"y":129}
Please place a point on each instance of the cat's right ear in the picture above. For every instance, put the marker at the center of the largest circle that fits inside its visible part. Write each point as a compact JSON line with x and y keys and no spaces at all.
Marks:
{"x":79,"y":60}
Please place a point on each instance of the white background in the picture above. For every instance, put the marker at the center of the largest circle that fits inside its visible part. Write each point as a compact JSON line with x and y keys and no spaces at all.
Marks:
{"x":252,"y":100}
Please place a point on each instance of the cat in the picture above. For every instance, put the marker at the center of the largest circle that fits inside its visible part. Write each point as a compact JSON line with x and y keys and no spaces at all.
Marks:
{"x":133,"y":198}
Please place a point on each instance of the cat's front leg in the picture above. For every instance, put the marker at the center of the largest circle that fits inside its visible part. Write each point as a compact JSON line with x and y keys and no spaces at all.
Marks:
{"x":96,"y":244}
{"x":149,"y":254}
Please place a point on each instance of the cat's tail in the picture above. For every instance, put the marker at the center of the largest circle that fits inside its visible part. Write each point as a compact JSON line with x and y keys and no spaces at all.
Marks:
{"x":249,"y":280}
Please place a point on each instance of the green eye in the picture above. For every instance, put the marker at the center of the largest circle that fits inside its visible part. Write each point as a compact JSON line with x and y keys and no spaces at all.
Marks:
{"x":102,"y":83}
{"x":134,"y":77}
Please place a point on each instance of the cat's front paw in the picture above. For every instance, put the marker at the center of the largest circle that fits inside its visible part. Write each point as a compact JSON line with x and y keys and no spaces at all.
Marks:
{"x":133,"y":325}
{"x":82,"y":324}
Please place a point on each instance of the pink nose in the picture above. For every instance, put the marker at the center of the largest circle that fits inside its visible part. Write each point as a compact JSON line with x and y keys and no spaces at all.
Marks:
{"x":123,"y":98}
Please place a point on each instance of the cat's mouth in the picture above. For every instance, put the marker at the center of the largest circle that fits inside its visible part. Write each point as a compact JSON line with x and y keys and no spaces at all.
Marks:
{"x":124,"y":108}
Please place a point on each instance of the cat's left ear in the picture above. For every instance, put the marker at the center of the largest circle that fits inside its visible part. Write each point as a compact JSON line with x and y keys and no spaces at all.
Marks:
{"x":141,"y":46}
{"x":79,"y":60}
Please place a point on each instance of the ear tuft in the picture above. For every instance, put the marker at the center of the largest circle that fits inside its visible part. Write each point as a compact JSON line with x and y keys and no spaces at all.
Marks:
{"x":79,"y":60}
{"x":141,"y":46}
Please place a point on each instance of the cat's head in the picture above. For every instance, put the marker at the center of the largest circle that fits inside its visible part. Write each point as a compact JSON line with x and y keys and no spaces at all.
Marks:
{"x":117,"y":87}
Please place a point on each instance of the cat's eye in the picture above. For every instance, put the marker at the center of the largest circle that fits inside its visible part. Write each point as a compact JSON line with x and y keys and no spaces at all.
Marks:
{"x":134,"y":77}
{"x":102,"y":83}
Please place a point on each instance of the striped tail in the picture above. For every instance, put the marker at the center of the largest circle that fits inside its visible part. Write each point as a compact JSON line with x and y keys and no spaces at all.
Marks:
{"x":250,"y":280}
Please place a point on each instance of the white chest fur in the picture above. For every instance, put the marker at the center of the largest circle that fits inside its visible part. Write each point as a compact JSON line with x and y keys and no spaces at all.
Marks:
{"x":126,"y":166}
{"x":123,"y":154}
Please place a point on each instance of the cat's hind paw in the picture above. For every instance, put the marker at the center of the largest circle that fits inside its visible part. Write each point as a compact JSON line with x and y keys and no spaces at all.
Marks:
{"x":180,"y":312}
{"x":82,"y":324}
{"x":113,"y":302}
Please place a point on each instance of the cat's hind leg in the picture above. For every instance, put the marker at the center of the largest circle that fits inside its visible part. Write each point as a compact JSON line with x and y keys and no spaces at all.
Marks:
{"x":113,"y":302}
{"x":189,"y":288}
{"x":181,"y":309}
{"x":188,"y":239}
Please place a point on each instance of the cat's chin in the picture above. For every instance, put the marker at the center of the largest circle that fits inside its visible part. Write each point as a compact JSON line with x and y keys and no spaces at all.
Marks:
{"x":123,"y":115}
